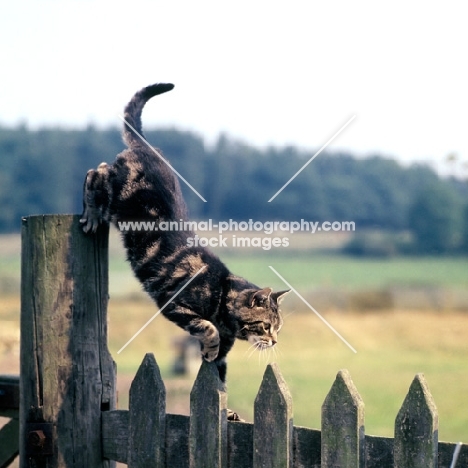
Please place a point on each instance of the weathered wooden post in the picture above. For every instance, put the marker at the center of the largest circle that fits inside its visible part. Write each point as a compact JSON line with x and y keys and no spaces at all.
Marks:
{"x":67,"y":373}
{"x":147,"y":417}
{"x":343,"y":438}
{"x":273,"y":422}
{"x":208,"y":420}
{"x":416,"y":428}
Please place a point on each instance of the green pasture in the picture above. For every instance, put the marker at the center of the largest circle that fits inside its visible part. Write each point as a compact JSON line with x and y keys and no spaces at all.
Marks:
{"x":307,"y":271}
{"x":304,"y":269}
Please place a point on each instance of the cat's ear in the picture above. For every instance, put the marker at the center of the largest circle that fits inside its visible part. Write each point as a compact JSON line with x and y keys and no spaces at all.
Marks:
{"x":260,"y":297}
{"x":280,"y":295}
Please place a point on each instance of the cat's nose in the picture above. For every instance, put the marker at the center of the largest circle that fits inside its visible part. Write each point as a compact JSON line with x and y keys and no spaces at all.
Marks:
{"x":273,"y":342}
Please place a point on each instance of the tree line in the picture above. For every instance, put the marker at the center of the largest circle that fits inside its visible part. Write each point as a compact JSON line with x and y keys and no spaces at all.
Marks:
{"x":42,"y":171}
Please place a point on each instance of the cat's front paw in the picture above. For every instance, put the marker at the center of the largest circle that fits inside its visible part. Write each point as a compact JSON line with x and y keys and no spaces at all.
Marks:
{"x":210,"y":343}
{"x":89,"y":224}
{"x":210,"y":353}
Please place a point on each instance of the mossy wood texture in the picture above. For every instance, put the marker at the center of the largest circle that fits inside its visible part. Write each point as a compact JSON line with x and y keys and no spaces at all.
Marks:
{"x":67,"y":374}
{"x":416,"y":428}
{"x":147,"y":417}
{"x":208,"y":420}
{"x":273,"y":423}
{"x":245,"y":442}
{"x":343,"y":439}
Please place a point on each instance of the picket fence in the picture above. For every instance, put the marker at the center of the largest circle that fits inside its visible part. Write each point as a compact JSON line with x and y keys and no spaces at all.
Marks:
{"x":146,"y":436}
{"x":67,"y":404}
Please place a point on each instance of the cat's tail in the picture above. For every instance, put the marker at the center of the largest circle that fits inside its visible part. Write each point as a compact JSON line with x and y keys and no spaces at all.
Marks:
{"x":133,"y":110}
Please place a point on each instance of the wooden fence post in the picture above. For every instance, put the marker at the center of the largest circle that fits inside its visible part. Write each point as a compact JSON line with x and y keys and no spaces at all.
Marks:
{"x":67,"y":373}
{"x":416,"y":428}
{"x":208,"y":420}
{"x":343,"y":439}
{"x":147,"y":417}
{"x":273,"y":423}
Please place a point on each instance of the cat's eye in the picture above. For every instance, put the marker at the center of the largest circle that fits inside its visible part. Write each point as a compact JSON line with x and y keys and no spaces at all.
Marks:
{"x":267,"y":327}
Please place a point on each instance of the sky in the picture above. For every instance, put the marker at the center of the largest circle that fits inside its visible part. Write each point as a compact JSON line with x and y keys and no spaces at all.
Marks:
{"x":268,"y":73}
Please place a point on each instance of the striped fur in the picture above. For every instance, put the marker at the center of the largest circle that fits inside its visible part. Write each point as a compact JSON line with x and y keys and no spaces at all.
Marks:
{"x":216,"y":307}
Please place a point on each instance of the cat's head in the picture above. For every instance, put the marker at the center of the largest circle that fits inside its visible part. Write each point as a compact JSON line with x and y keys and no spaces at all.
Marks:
{"x":259,"y":316}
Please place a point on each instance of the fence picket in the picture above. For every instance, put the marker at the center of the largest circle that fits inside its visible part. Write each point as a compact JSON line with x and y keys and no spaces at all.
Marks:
{"x":343,"y":440}
{"x":67,"y":402}
{"x":208,"y":420}
{"x":273,"y":423}
{"x":416,"y":428}
{"x":147,"y":416}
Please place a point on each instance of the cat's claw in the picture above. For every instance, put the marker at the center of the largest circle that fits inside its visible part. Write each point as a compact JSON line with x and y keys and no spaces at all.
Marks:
{"x":209,"y":339}
{"x":211,"y":353}
{"x":89,"y":225}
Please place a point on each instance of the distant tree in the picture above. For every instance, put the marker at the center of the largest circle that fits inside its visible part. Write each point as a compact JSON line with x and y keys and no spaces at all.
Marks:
{"x":435,"y":219}
{"x":464,"y":240}
{"x":42,"y":171}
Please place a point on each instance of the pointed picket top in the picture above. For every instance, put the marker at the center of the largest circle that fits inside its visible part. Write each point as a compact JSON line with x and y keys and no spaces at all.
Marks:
{"x":273,"y":421}
{"x":149,"y":370}
{"x":147,"y":416}
{"x":207,"y":378}
{"x":343,"y":439}
{"x":416,"y":428}
{"x":208,"y":419}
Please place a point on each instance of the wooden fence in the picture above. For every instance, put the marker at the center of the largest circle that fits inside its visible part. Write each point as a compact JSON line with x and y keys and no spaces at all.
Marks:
{"x":68,"y":415}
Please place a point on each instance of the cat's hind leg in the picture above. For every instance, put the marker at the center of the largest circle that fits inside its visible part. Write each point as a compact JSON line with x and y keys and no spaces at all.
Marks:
{"x":97,"y":193}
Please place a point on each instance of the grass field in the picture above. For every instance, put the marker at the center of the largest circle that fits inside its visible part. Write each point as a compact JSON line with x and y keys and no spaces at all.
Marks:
{"x":392,"y":346}
{"x":305,"y":269}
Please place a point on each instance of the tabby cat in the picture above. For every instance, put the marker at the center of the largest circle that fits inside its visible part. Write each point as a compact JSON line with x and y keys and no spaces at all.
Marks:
{"x":216,"y":307}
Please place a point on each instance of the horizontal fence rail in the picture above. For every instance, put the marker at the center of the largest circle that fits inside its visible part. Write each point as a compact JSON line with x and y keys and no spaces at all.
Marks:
{"x":206,"y":439}
{"x":67,"y":402}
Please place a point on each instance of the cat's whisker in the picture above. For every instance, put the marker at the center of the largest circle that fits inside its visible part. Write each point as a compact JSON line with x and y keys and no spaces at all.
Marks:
{"x":276,"y":352}
{"x":249,"y":348}
{"x":268,"y":354}
{"x":255,"y":347}
{"x":251,"y":353}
